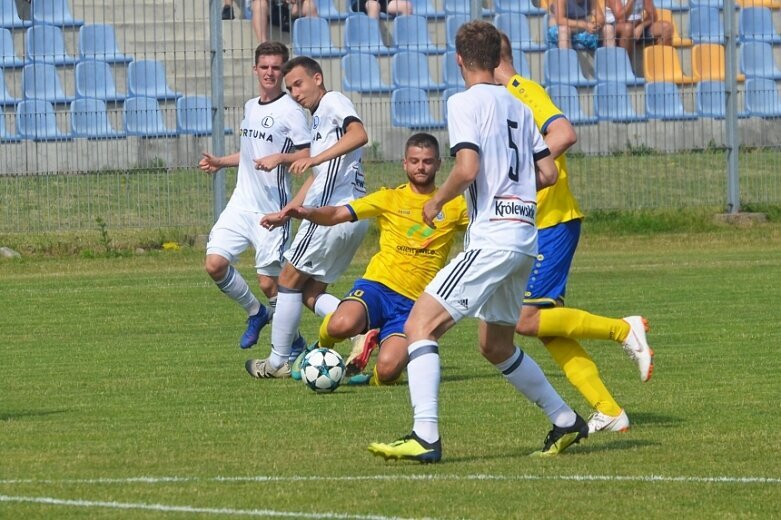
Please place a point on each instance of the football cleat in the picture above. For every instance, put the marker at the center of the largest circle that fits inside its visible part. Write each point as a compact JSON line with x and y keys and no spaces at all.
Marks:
{"x":559,"y":439}
{"x":409,"y":447}
{"x":358,"y":379}
{"x":299,"y":345}
{"x":363,"y":345}
{"x":261,"y":369}
{"x":295,"y":369}
{"x":600,"y":422}
{"x":637,"y":348}
{"x":254,"y":325}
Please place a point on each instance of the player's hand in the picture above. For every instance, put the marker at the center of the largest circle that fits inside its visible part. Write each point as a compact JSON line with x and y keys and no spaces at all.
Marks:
{"x":209,"y":163}
{"x":302,"y":165}
{"x":269,"y":162}
{"x":430,"y":212}
{"x":299,"y":212}
{"x":274,"y":220}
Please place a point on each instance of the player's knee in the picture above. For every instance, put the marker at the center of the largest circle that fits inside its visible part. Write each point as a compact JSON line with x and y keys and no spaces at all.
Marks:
{"x":524,"y":328}
{"x":216,"y":266}
{"x":340,"y":326}
{"x":389,"y":370}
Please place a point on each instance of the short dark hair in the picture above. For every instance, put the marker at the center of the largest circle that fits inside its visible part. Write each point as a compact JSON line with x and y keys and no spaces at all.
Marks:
{"x":272,"y":49}
{"x":422,"y":140}
{"x":506,"y":53}
{"x":479,"y":45}
{"x":310,"y":65}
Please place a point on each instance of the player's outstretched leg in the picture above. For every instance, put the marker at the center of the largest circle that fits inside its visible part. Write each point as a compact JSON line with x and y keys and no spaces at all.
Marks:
{"x":637,"y":348}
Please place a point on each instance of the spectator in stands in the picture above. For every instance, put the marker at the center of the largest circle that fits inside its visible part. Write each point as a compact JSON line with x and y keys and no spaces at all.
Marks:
{"x":227,"y":10}
{"x":637,"y":23}
{"x":373,"y":8}
{"x":579,"y":24}
{"x":282,"y":12}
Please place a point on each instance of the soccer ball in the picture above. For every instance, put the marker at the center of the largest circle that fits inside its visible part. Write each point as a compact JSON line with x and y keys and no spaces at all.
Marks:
{"x":322,"y":370}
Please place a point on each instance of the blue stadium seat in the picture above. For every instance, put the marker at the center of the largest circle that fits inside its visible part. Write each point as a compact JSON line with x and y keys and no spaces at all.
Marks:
{"x":517,"y":6}
{"x":41,"y":81}
{"x":711,"y":99}
{"x":361,"y":73}
{"x":755,"y":24}
{"x":756,"y":60}
{"x":521,"y":64}
{"x":89,"y":119}
{"x":705,"y":25}
{"x":451,"y":74}
{"x":566,"y":97}
{"x":562,"y":66}
{"x":9,"y":16}
{"x":410,"y":69}
{"x":327,"y":10}
{"x":194,"y":116}
{"x":8,"y":57}
{"x":714,"y":4}
{"x":463,"y":7}
{"x":99,"y":42}
{"x":46,"y":43}
{"x":426,"y":8}
{"x":5,"y":135}
{"x":762,"y":98}
{"x":143,"y":118}
{"x":452,"y":23}
{"x":146,"y":78}
{"x":6,"y":98}
{"x":410,"y":33}
{"x":612,"y":64}
{"x":516,"y":27}
{"x":312,"y":37}
{"x":94,"y":79}
{"x":612,"y":103}
{"x":672,"y":5}
{"x":362,"y":34}
{"x":663,"y":101}
{"x":35,"y":120}
{"x":410,"y":109}
{"x":54,"y":12}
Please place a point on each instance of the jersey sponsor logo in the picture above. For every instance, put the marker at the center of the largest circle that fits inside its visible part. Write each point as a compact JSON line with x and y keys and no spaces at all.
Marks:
{"x":415,"y":251}
{"x":257,"y":134}
{"x":514,"y":209}
{"x":316,"y":122}
{"x":267,"y":122}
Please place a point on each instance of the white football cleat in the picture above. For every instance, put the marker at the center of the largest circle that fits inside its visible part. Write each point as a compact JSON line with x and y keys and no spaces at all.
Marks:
{"x":262,"y":369}
{"x":599,"y":422}
{"x":637,"y":348}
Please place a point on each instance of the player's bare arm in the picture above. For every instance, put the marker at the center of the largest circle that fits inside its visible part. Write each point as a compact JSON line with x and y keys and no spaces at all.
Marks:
{"x":560,"y":136}
{"x":323,"y":216}
{"x":270,"y":162}
{"x":547,"y":173}
{"x":211,"y":163}
{"x":273,"y":220}
{"x":464,"y":172}
{"x":354,"y":137}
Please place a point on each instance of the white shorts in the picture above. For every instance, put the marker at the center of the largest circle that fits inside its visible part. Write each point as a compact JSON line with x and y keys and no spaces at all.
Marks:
{"x":487,"y":284}
{"x":324,"y":252}
{"x":237,"y":229}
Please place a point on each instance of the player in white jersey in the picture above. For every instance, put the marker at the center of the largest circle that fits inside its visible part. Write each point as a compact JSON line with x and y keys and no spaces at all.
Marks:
{"x":500,"y":161}
{"x":273,"y":134}
{"x":319,"y":254}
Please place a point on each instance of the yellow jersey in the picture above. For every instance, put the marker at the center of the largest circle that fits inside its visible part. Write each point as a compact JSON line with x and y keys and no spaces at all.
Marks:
{"x":411,"y":253}
{"x":555,"y":204}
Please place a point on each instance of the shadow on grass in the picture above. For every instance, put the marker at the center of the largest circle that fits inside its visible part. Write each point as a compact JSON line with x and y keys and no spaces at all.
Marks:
{"x":639,"y":419}
{"x":10,"y":416}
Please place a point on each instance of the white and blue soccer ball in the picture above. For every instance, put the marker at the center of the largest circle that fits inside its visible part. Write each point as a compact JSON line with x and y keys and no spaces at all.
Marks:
{"x":322,"y":370}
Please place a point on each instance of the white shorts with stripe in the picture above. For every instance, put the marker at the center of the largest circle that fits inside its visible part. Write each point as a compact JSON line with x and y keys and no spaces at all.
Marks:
{"x":237,"y":229}
{"x":324,"y":252}
{"x":487,"y":284}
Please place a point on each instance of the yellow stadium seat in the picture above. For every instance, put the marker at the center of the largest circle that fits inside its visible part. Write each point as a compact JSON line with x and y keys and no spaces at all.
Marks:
{"x":661,"y":63}
{"x":708,"y":63}
{"x":665,"y":15}
{"x":770,"y":4}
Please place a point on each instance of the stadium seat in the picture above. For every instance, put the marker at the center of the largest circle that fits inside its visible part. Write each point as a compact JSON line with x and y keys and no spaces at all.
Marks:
{"x":89,"y":119}
{"x":194,"y":116}
{"x":5,"y":135}
{"x":705,"y":25}
{"x":8,"y":57}
{"x":661,"y":63}
{"x":517,"y":6}
{"x":410,"y":69}
{"x":94,"y":79}
{"x":312,"y":37}
{"x":713,"y":4}
{"x":54,"y":12}
{"x":566,"y":97}
{"x":516,"y":27}
{"x":99,"y":42}
{"x":361,"y":73}
{"x":41,"y":81}
{"x":146,"y":78}
{"x":755,"y":24}
{"x":666,"y":15}
{"x":612,"y":103}
{"x":708,"y":63}
{"x":6,"y":98}
{"x":410,"y":109}
{"x":612,"y":64}
{"x":756,"y":60}
{"x":35,"y":120}
{"x":410,"y":33}
{"x":46,"y":44}
{"x":427,"y":9}
{"x":463,"y":7}
{"x":362,"y":34}
{"x":521,"y":64}
{"x":770,"y":4}
{"x":328,"y":11}
{"x":452,"y":23}
{"x":663,"y":101}
{"x":711,"y":99}
{"x":451,"y":74}
{"x":672,"y":5}
{"x":562,"y":66}
{"x":762,"y":98}
{"x":143,"y":118}
{"x":9,"y":16}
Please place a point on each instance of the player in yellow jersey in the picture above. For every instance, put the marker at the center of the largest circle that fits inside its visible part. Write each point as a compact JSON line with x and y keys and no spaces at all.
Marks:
{"x":543,"y":314}
{"x":411,"y":253}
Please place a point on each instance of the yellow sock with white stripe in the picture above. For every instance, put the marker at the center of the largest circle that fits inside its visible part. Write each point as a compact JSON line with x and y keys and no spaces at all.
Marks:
{"x":577,"y":324}
{"x":325,"y":339}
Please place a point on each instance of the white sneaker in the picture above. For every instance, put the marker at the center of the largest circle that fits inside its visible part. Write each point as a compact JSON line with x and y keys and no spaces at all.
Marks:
{"x":637,"y":348}
{"x":261,"y":369}
{"x":599,"y":422}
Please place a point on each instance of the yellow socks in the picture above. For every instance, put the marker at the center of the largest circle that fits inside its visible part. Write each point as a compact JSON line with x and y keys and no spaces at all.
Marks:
{"x":582,"y":372}
{"x":577,"y":324}
{"x":326,"y":340}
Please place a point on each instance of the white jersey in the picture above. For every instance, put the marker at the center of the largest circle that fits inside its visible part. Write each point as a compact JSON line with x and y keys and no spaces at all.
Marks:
{"x":339,"y":180}
{"x":276,"y":126}
{"x":502,"y":200}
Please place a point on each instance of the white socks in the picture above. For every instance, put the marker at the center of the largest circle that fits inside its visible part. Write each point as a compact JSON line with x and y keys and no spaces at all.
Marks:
{"x":326,"y":304}
{"x":284,"y":328}
{"x":423,"y":376}
{"x":236,"y":288}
